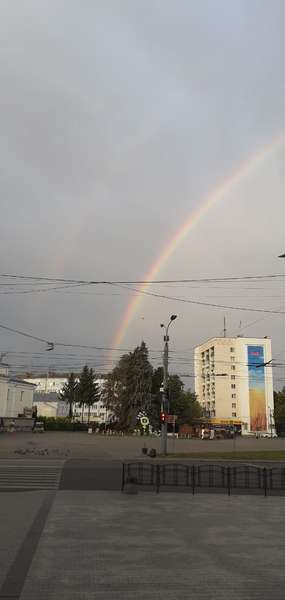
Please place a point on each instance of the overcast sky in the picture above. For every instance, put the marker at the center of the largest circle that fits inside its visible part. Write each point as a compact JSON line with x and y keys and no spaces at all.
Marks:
{"x":117,"y":119}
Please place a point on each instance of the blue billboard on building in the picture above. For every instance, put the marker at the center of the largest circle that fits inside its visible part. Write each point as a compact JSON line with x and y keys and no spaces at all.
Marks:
{"x":256,"y":381}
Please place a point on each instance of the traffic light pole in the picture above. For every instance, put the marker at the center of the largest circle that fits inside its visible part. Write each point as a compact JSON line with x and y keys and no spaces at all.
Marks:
{"x":165,"y":397}
{"x":164,"y":403}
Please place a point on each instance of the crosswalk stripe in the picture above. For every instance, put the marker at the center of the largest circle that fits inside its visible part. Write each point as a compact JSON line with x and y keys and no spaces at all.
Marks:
{"x":28,"y":475}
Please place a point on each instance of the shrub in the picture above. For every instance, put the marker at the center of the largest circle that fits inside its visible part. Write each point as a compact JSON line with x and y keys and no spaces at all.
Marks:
{"x":62,"y":424}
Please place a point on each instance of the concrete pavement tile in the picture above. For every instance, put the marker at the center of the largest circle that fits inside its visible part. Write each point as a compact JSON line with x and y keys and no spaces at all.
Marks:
{"x":102,"y":545}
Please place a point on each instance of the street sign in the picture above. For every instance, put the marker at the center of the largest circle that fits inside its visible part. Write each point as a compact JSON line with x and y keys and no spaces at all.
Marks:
{"x":171,"y":419}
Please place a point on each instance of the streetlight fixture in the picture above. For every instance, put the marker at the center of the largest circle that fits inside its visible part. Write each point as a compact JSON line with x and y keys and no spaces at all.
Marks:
{"x":165,"y":401}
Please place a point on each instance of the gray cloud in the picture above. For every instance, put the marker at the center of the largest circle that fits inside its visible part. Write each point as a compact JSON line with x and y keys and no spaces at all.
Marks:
{"x":116,"y":120}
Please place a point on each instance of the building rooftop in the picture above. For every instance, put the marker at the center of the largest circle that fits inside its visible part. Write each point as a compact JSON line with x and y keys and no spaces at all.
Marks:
{"x":233,"y":337}
{"x":21,"y":381}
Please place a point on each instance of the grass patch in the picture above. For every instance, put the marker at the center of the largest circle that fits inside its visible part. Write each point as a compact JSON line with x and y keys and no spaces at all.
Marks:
{"x":255,"y":455}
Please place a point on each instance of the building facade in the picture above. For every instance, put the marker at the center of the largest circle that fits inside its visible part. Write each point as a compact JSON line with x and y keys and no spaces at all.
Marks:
{"x":49,"y":405}
{"x":16,"y":395}
{"x":233,"y":383}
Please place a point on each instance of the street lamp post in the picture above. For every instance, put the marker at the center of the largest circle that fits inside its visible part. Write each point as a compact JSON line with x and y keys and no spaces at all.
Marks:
{"x":165,"y":401}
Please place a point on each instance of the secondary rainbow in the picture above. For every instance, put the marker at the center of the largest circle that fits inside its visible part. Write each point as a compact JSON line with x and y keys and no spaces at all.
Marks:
{"x":192,"y":220}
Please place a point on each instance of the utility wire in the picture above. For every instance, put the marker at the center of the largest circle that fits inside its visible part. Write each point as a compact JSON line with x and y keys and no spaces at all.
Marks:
{"x":199,"y":303}
{"x":140,"y":281}
{"x":41,"y":290}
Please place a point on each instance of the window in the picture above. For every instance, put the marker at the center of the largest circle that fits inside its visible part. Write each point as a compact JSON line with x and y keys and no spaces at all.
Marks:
{"x":234,"y":414}
{"x":233,"y":385}
{"x":234,"y":395}
{"x":232,"y":349}
{"x":234,"y":405}
{"x":232,"y":359}
{"x":233,"y":376}
{"x":233,"y":368}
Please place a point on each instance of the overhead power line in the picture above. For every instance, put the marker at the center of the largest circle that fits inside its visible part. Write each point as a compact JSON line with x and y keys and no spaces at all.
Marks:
{"x":46,"y":289}
{"x":23,"y":333}
{"x":200,"y":303}
{"x":37,"y":278}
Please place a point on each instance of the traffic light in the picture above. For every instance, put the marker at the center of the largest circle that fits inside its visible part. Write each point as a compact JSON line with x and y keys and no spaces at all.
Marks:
{"x":162,"y":417}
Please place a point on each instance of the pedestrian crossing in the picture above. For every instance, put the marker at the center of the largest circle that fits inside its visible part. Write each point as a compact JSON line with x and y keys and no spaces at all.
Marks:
{"x":21,"y":474}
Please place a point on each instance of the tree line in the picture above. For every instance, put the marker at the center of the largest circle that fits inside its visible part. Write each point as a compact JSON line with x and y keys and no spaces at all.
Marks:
{"x":131,"y":389}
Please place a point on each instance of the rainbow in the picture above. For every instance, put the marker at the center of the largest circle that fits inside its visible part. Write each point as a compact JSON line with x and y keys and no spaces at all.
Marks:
{"x":243,"y":170}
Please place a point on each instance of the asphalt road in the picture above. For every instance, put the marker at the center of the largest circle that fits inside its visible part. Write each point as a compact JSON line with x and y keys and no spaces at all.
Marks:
{"x":107,"y":475}
{"x":86,"y":474}
{"x":82,"y":474}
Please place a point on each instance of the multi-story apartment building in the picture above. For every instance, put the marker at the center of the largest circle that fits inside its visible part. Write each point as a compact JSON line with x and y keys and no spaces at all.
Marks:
{"x":233,"y":382}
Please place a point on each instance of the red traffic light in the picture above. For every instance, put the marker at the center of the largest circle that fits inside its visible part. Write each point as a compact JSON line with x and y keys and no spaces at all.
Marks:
{"x":163,"y":416}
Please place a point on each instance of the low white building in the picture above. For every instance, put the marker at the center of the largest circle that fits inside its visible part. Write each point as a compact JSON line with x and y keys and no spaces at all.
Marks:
{"x":48,"y":403}
{"x":16,"y":395}
{"x":47,"y":409}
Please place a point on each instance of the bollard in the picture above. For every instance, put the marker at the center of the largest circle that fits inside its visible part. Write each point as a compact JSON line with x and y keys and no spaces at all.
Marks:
{"x":130,"y":486}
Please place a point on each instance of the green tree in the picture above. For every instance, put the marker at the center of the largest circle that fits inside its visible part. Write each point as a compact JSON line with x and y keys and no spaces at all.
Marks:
{"x":127,"y":390}
{"x":279,"y":410}
{"x":88,"y":390}
{"x":175,"y":389}
{"x":186,"y":407}
{"x":69,"y":393}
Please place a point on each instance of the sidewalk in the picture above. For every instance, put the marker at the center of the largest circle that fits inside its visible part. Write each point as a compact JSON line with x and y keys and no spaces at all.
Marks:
{"x":17,"y":514}
{"x":107,"y":545}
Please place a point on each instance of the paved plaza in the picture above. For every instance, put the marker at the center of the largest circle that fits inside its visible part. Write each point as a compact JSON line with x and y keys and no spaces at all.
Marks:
{"x":61,"y":444}
{"x":107,"y":545}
